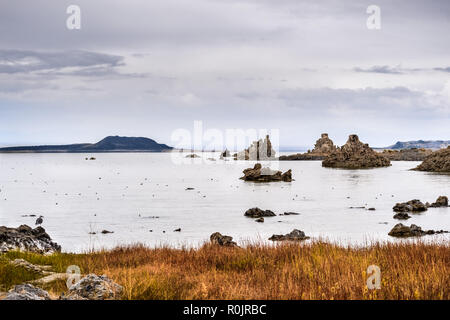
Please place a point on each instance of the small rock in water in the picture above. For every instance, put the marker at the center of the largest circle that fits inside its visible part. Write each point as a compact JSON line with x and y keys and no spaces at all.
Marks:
{"x":400,"y":230}
{"x":402,"y":216}
{"x":177,"y":230}
{"x":258,"y":213}
{"x":410,"y":206}
{"x":222,"y":240}
{"x":291,"y":213}
{"x":260,"y":219}
{"x":442,"y":201}
{"x":294,"y":235}
{"x":106,"y":231}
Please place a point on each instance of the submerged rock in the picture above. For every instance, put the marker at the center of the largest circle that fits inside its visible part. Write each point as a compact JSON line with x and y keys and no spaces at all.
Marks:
{"x":27,"y":292}
{"x":400,"y":230}
{"x":355,"y":155}
{"x":438,"y":161}
{"x":294,"y":235}
{"x":25,"y":238}
{"x":94,"y":287}
{"x":258,"y":213}
{"x":193,"y":155}
{"x":441,"y":201}
{"x":260,"y":174}
{"x":222,"y":240}
{"x":410,"y":206}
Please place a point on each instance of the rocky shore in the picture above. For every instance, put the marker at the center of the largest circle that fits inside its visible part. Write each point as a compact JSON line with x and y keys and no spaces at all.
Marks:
{"x":413,"y":154}
{"x":438,"y":161}
{"x":25,"y":238}
{"x":355,"y":155}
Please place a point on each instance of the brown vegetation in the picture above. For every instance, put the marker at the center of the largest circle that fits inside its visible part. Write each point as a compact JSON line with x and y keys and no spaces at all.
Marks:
{"x":315,"y":270}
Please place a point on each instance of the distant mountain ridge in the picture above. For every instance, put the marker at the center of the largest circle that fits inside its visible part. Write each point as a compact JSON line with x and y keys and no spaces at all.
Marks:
{"x":108,"y":144}
{"x":429,"y":144}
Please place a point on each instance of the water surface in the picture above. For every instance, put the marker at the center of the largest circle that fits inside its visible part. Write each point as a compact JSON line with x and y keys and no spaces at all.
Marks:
{"x":133,"y":193}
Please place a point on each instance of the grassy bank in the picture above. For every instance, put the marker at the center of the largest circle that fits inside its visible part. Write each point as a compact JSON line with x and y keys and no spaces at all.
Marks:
{"x":315,"y":270}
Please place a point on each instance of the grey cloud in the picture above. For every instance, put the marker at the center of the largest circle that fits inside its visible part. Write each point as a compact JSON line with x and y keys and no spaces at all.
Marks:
{"x":380,"y":69}
{"x":443,"y":69}
{"x":397,"y":70}
{"x":397,"y":102}
{"x":85,"y":62}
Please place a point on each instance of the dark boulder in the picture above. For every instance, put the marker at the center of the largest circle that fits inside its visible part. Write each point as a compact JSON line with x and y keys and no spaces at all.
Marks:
{"x":442,"y":201}
{"x":294,"y":235}
{"x":222,"y":240}
{"x":258,"y":213}
{"x":402,"y":231}
{"x":402,"y":216}
{"x":260,"y":174}
{"x":410,"y":206}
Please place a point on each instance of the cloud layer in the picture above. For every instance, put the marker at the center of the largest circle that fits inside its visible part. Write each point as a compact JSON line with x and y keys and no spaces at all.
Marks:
{"x":146,"y":68}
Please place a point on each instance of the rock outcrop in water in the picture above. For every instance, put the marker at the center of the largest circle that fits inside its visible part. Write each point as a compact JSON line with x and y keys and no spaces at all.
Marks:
{"x":410,"y":206}
{"x":355,"y":155}
{"x":260,"y":174}
{"x":258,"y":213}
{"x":402,"y":216}
{"x":259,"y":150}
{"x":402,"y":231}
{"x":294,"y":235}
{"x":413,"y":154}
{"x":438,"y":161}
{"x":323,"y":147}
{"x":222,"y":240}
{"x":25,"y":238}
{"x":441,"y":201}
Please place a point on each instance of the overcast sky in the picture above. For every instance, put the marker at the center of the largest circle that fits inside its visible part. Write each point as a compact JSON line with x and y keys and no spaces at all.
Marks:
{"x":149,"y":67}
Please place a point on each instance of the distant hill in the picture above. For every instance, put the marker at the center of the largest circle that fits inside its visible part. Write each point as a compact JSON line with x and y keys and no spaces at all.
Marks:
{"x":430,"y":144}
{"x":108,"y":144}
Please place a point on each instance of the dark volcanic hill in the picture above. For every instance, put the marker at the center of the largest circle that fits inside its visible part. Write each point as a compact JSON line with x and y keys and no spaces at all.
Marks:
{"x":109,"y":144}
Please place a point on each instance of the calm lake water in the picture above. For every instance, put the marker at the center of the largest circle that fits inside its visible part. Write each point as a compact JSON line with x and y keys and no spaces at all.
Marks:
{"x":133,"y":193}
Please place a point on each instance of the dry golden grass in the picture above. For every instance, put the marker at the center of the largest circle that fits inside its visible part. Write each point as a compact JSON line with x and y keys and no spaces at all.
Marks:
{"x":315,"y":270}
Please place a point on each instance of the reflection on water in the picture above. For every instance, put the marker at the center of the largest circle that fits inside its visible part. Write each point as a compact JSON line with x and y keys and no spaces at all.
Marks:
{"x":144,"y":197}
